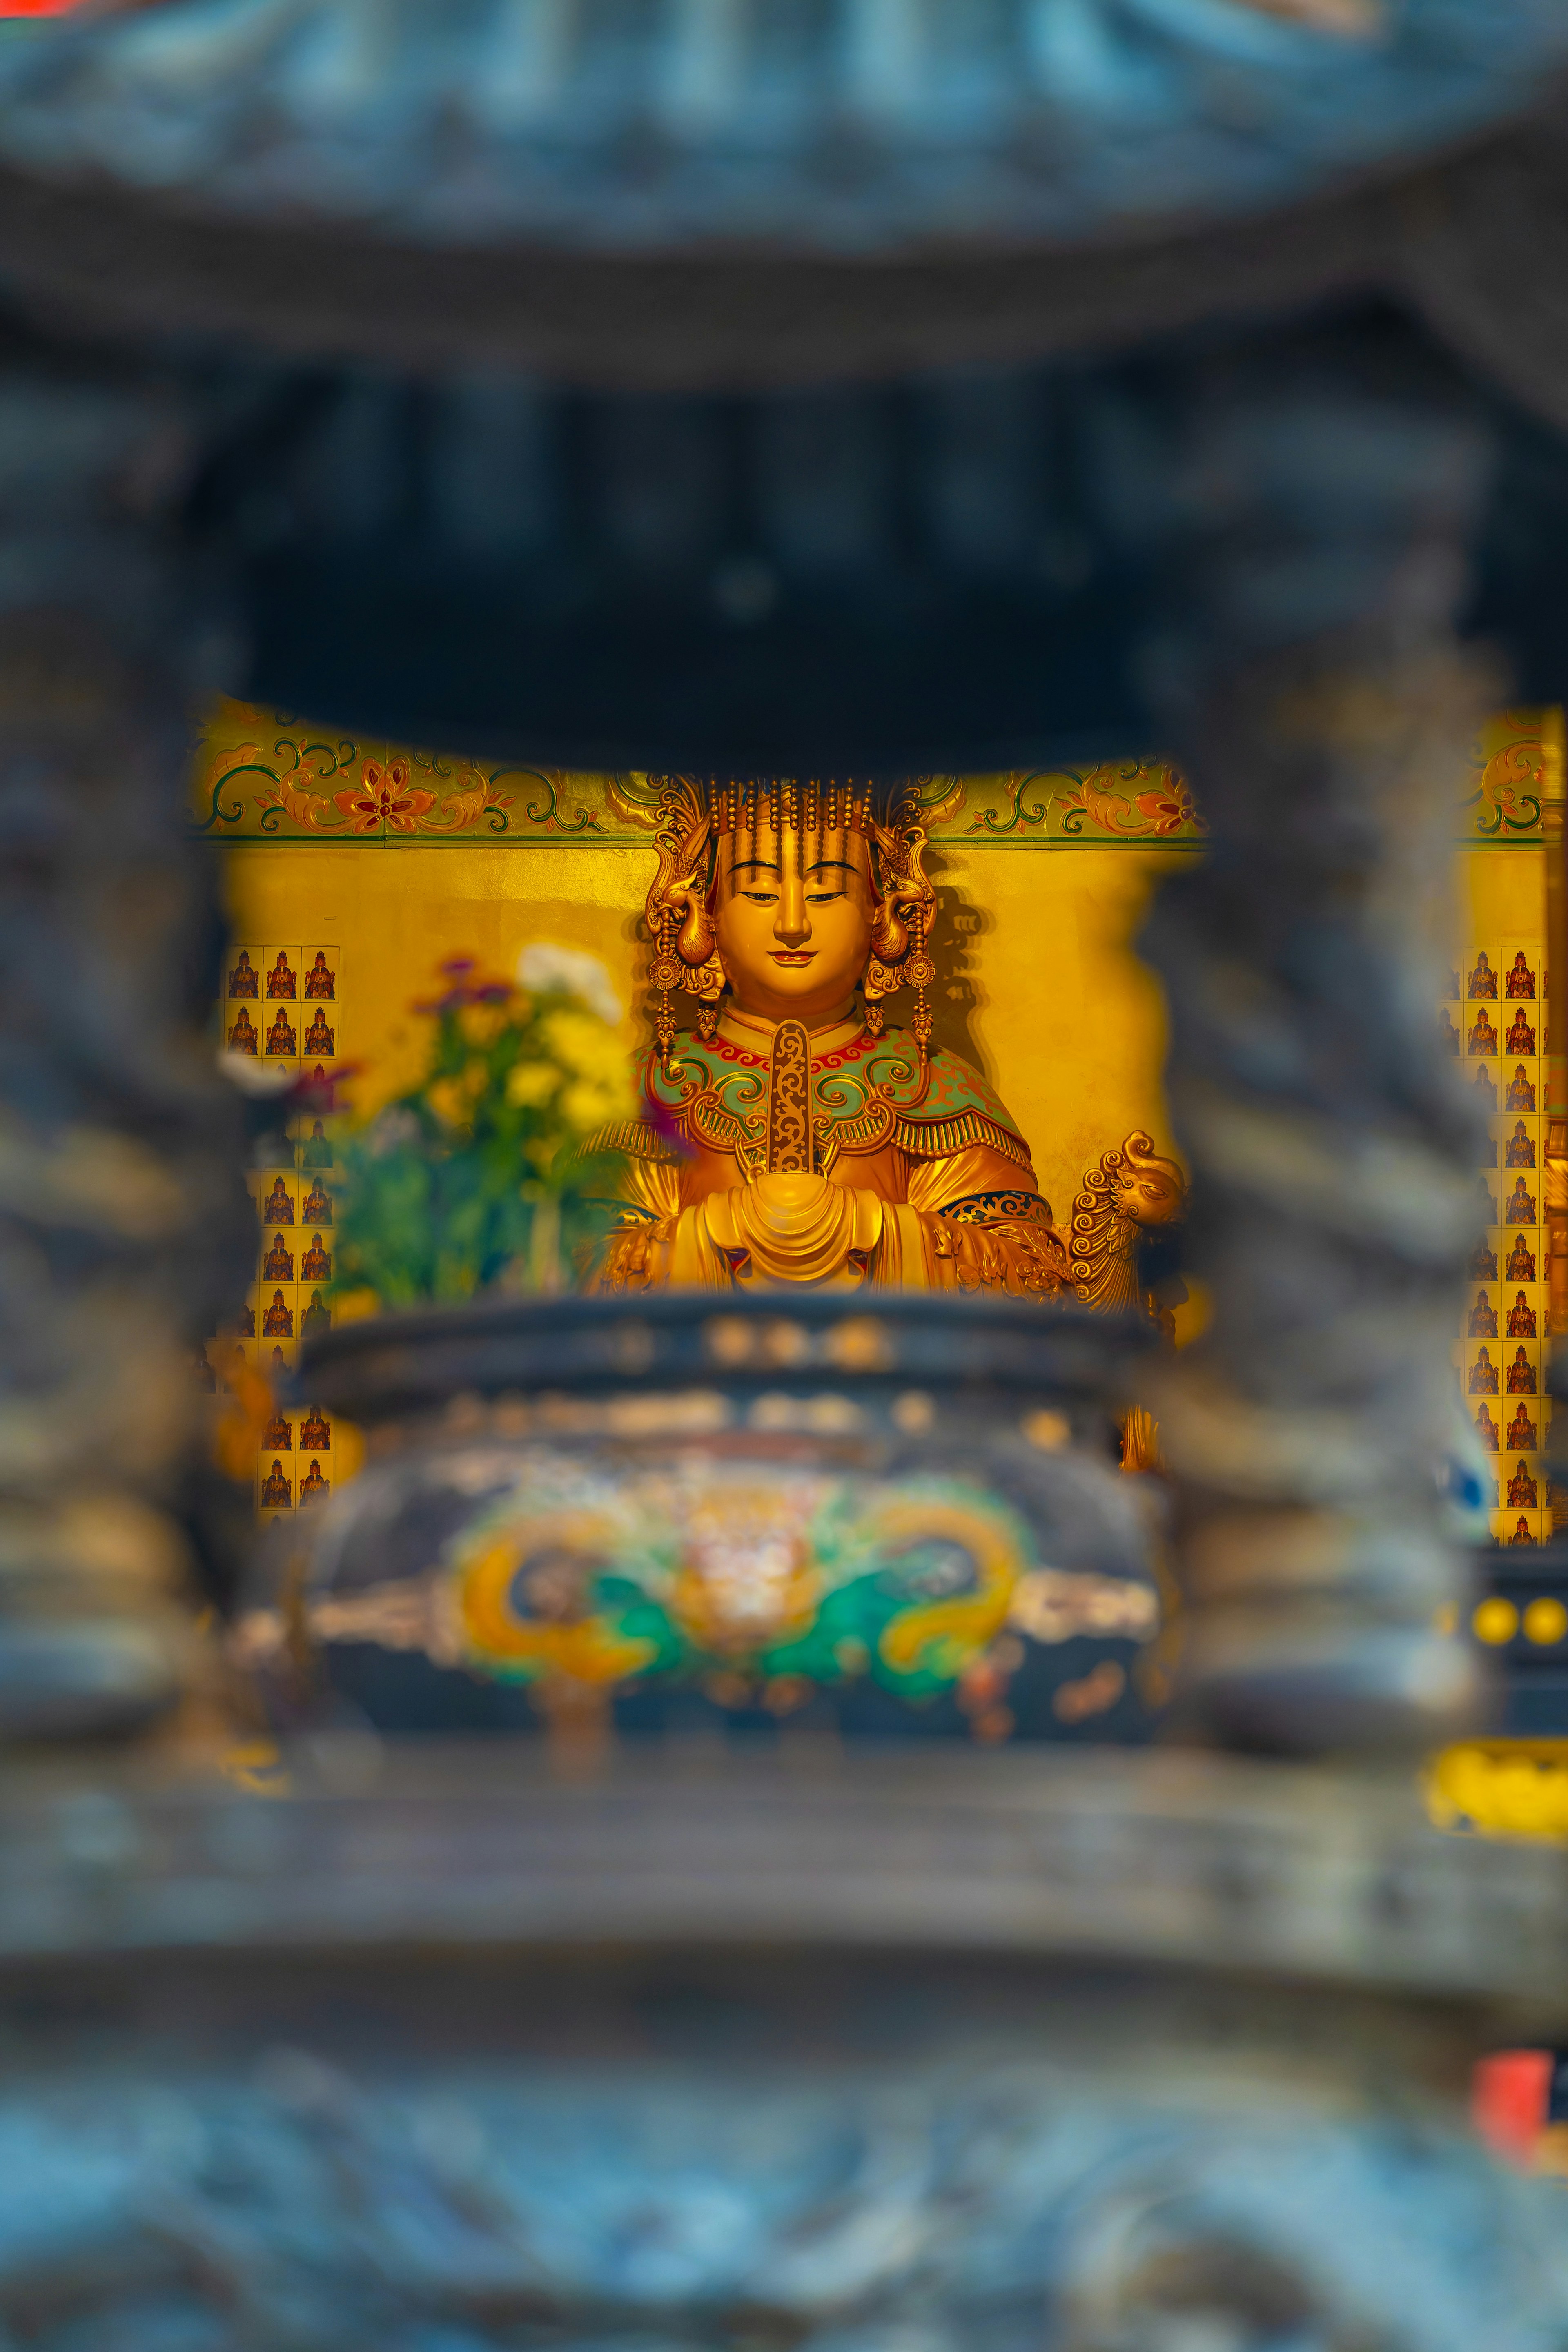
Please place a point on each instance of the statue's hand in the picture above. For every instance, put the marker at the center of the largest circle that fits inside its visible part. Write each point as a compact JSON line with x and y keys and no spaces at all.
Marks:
{"x":789,"y":1196}
{"x":629,"y":1255}
{"x":798,"y":1227}
{"x":1024,"y":1260}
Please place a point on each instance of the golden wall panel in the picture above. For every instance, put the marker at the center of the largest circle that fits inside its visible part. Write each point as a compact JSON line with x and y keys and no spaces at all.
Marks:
{"x":1494,"y":1020}
{"x":1037,"y":984}
{"x":283,"y":1005}
{"x":401,"y":857}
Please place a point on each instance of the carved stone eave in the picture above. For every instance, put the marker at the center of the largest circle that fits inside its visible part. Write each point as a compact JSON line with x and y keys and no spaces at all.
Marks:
{"x":1174,"y":1861}
{"x":340,"y":176}
{"x":846,"y":129}
{"x":968,"y":2045}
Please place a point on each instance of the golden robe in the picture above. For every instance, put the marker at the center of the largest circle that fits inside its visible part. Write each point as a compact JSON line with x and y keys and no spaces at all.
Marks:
{"x":829,"y":1157}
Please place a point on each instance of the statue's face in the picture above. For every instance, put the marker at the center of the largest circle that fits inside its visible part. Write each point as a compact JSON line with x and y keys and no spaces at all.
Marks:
{"x":792,"y":914}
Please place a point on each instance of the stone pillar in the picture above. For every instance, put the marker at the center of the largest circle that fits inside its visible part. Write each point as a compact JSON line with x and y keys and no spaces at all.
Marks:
{"x":119,"y":1151}
{"x":1316,"y":508}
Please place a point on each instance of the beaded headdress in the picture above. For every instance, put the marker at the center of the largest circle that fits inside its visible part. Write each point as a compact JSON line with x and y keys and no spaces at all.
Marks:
{"x":699,"y":816}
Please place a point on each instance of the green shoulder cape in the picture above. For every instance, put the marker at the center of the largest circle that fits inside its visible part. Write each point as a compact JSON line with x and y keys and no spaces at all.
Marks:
{"x":872,"y":1090}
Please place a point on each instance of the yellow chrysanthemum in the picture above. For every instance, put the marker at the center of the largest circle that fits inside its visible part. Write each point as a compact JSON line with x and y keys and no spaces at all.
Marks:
{"x":584,"y":1046}
{"x":532,"y":1083}
{"x":448,"y":1098}
{"x":587,"y":1106}
{"x":481,"y":1025}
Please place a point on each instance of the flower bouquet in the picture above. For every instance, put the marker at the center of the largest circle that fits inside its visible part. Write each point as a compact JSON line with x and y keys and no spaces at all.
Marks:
{"x":476,"y":1178}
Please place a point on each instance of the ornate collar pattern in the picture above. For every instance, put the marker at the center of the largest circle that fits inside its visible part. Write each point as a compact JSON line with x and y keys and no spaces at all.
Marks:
{"x":868,"y":1093}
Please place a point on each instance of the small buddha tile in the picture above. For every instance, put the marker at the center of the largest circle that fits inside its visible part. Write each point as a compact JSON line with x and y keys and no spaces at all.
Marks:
{"x":1482,"y":1034}
{"x":1521,"y":974}
{"x":280,"y":1037}
{"x":278,"y":1200}
{"x":315,"y":1202}
{"x":241,"y":1031}
{"x":280,"y":1316}
{"x":1519,"y":1425}
{"x":316,"y":1259}
{"x":278,"y":1258}
{"x":320,"y":1037}
{"x":1481,"y":984}
{"x":281,"y":984}
{"x":314,"y":1485}
{"x":319,"y":968}
{"x":243,"y":972}
{"x":276,"y":1485}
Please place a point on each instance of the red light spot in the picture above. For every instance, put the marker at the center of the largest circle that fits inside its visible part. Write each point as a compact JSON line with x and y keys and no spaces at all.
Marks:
{"x":1507,"y":2100}
{"x":39,"y":8}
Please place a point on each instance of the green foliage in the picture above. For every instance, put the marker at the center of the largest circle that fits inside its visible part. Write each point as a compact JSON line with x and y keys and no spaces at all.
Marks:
{"x":476,"y":1179}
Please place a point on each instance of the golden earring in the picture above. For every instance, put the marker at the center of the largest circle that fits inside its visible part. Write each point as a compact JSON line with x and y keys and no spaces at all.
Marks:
{"x":665,"y":975}
{"x":889,"y":938}
{"x":695,"y":943}
{"x":708,"y":986}
{"x":919,"y":972}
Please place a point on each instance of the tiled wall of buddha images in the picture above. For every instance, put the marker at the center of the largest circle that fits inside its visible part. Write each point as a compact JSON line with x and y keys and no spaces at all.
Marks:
{"x":1495,"y":1021}
{"x":284,"y":1005}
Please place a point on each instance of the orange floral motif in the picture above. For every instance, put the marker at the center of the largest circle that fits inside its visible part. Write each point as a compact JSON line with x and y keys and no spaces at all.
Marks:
{"x":1158,"y":811}
{"x":298,"y":794}
{"x":385,"y":798}
{"x":474,"y":796}
{"x":1132,"y":799}
{"x":1504,"y":801}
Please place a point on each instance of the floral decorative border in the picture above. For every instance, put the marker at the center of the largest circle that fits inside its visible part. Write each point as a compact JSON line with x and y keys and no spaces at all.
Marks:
{"x":266,"y":776}
{"x":1131,"y":800}
{"x":1518,"y":758}
{"x":261,"y":776}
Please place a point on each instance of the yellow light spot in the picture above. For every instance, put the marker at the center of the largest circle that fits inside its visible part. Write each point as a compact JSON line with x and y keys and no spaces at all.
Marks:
{"x":1049,"y":1431}
{"x":1545,"y":1621}
{"x":1500,"y":1788}
{"x":727,"y":1339}
{"x":861,"y":1344}
{"x":1495,"y":1622}
{"x":783,"y":1342}
{"x":1447,"y":1619}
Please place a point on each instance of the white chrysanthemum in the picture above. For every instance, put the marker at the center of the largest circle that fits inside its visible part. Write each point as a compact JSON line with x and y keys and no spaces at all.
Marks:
{"x":543,"y":967}
{"x":254,"y":1077}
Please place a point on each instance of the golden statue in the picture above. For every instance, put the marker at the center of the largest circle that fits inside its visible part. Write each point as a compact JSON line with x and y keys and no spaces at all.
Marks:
{"x":794,"y":1137}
